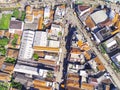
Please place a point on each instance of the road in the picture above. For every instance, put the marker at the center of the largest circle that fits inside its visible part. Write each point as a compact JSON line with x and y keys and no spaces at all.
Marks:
{"x":62,"y":56}
{"x":75,"y":21}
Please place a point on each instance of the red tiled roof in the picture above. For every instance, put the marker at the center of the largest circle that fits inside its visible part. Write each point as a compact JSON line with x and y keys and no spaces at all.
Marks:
{"x":82,"y":8}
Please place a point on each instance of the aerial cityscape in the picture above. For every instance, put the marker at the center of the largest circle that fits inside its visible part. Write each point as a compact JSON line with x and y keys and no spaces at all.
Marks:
{"x":59,"y":44}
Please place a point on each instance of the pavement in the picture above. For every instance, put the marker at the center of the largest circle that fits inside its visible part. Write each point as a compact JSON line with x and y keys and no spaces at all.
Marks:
{"x":75,"y":21}
{"x":62,"y":56}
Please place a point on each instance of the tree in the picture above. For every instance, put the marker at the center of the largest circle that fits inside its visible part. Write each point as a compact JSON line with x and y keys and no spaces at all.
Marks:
{"x":60,"y":33}
{"x":4,"y":41}
{"x":16,"y":85}
{"x":15,"y":40}
{"x":10,"y":60}
{"x":35,"y":56}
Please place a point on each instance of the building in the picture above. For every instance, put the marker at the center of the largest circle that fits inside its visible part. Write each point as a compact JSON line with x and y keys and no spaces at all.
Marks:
{"x":55,"y":32}
{"x":87,"y":86}
{"x":46,"y":14}
{"x":101,"y":34}
{"x":12,"y":53}
{"x":16,"y":26}
{"x":43,"y":85}
{"x":26,"y":50}
{"x":40,"y":39}
{"x":116,"y":59}
{"x":112,"y":44}
{"x":83,"y":9}
{"x":59,"y":13}
{"x":7,"y":68}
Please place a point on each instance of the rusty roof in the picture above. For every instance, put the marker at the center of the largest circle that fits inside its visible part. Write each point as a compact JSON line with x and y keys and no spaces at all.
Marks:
{"x":87,"y":86}
{"x":100,"y":65}
{"x":47,"y":62}
{"x":12,"y":53}
{"x":89,"y":22}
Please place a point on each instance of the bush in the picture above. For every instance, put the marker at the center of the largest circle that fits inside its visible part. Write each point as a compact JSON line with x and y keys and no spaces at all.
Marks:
{"x":23,"y":16}
{"x":35,"y":56}
{"x":2,"y":51}
{"x":14,"y":41}
{"x":10,"y":60}
{"x":16,"y":13}
{"x":4,"y":41}
{"x":16,"y":85}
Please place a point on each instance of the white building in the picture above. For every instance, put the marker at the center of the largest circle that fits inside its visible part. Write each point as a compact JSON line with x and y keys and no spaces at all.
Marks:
{"x":40,"y":38}
{"x":26,"y":50}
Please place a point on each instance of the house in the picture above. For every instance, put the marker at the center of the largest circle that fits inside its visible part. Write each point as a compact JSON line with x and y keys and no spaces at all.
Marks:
{"x":101,"y":34}
{"x":46,"y":15}
{"x":7,"y":68}
{"x":83,"y":9}
{"x":116,"y":59}
{"x":4,"y":77}
{"x":73,"y":81}
{"x":112,"y":44}
{"x":55,"y":32}
{"x":12,"y":53}
{"x":87,"y":86}
{"x":43,"y":85}
{"x":26,"y":50}
{"x":59,"y":13}
{"x":96,"y":64}
{"x":15,"y":26}
{"x":76,"y":57}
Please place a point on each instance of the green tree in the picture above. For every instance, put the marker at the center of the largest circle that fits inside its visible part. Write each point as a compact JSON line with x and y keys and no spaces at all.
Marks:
{"x":35,"y":56}
{"x":60,"y":33}
{"x":23,"y":16}
{"x":16,"y":85}
{"x":16,"y":13}
{"x":14,"y":41}
{"x":4,"y":41}
{"x":10,"y":60}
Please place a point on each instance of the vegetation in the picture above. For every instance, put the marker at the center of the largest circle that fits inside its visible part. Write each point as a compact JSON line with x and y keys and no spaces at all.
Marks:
{"x":5,"y":21}
{"x":10,"y":60}
{"x":35,"y":56}
{"x":23,"y":16}
{"x":50,"y":74}
{"x":16,"y":13}
{"x":4,"y":41}
{"x":14,"y":41}
{"x":60,"y":33}
{"x":115,"y":67}
{"x":16,"y":85}
{"x":3,"y":86}
{"x":102,"y":49}
{"x":2,"y":51}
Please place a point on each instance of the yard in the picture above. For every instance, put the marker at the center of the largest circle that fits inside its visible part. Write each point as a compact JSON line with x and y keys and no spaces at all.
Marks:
{"x":5,"y":21}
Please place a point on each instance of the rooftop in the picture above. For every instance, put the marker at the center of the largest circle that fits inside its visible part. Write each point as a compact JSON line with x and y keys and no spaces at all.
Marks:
{"x":15,"y":24}
{"x":40,"y":38}
{"x":87,"y":86}
{"x":116,"y":59}
{"x":82,"y":8}
{"x":99,"y":16}
{"x":12,"y":53}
